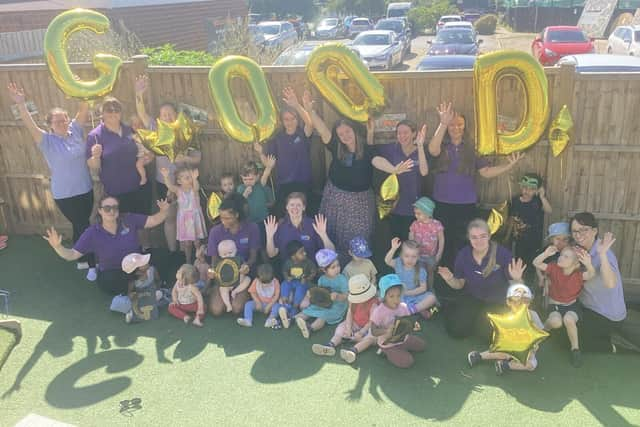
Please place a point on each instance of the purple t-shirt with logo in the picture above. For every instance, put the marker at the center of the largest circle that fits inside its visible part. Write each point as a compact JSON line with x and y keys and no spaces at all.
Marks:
{"x":246,"y":238}
{"x":293,"y":155}
{"x":109,"y":248}
{"x":597,"y":297}
{"x":410,"y":182}
{"x":453,"y":187}
{"x":492,"y":288}
{"x":305,"y":234}
{"x":118,"y":171}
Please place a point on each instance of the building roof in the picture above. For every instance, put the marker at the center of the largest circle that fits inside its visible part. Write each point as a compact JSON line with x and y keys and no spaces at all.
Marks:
{"x":27,"y":6}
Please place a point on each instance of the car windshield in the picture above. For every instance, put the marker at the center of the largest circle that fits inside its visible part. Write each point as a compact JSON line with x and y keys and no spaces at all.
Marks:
{"x":450,"y":19}
{"x":636,"y":36}
{"x":294,"y":57}
{"x":360,"y":22}
{"x":458,"y":37}
{"x":371,"y":39}
{"x":269,"y":29}
{"x":395,"y":13}
{"x":394,"y":25}
{"x":566,"y":36}
{"x":329,"y":22}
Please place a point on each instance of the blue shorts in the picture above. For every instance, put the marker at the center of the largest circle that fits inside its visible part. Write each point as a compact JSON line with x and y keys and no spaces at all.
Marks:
{"x":563,"y":309}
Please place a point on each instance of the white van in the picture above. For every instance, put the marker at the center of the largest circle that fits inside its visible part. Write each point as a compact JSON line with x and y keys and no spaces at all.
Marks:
{"x":398,"y":10}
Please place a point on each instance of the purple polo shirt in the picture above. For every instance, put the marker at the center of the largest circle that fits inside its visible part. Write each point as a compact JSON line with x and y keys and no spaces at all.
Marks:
{"x":118,"y":171}
{"x":493,"y":288}
{"x":410,"y":182}
{"x":111,"y":248}
{"x":293,"y":155}
{"x":305,"y":234}
{"x":246,"y":238}
{"x":453,"y":187}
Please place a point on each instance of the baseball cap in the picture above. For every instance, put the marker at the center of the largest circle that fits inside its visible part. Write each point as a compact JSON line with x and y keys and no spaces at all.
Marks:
{"x":133,"y":261}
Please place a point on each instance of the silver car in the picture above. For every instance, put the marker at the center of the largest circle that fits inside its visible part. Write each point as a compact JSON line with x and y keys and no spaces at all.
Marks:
{"x":278,"y":34}
{"x":380,"y":48}
{"x":359,"y":25}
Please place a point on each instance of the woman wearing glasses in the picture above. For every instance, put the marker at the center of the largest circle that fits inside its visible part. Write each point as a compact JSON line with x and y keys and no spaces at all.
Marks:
{"x":454,"y":167}
{"x":63,"y":148}
{"x":602,"y":296}
{"x":112,"y":152}
{"x":110,"y":240}
{"x":482,"y":273}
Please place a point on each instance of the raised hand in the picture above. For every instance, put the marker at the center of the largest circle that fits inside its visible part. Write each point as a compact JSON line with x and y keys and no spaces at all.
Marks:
{"x":163,"y":205}
{"x":16,"y":93}
{"x":422,"y":136}
{"x":320,"y":225}
{"x":605,"y":243}
{"x":541,"y":192}
{"x":142,"y":84}
{"x":446,"y":113}
{"x":247,"y":192}
{"x":164,"y":172}
{"x":289,"y":97}
{"x":271,"y":225}
{"x":269,"y":161}
{"x":307,"y":101}
{"x":445,"y":273}
{"x":584,"y":257}
{"x":52,"y":236}
{"x":396,"y":243}
{"x":514,"y":158}
{"x":403,"y":167}
{"x":195,"y":173}
{"x":516,"y":269}
{"x":550,"y":251}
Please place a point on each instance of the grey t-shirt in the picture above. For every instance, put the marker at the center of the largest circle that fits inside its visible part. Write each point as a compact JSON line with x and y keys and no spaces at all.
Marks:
{"x":597,"y":297}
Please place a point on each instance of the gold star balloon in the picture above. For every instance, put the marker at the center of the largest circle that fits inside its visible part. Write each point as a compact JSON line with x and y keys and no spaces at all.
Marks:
{"x":213,"y":206}
{"x":170,"y":138}
{"x":388,"y":196}
{"x":559,"y":131}
{"x":515,"y":333}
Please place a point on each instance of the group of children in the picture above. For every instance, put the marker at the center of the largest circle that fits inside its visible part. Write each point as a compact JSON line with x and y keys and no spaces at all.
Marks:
{"x":314,"y":294}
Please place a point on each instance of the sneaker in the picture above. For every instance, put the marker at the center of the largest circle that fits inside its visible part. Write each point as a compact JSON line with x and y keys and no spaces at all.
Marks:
{"x":576,"y":358}
{"x":474,"y":358}
{"x":92,"y":275}
{"x":284,"y":317}
{"x":82,"y":265}
{"x":323,"y":350}
{"x":302,"y":325}
{"x":270,"y":323}
{"x":502,"y":366}
{"x":429,"y":312}
{"x":348,"y":355}
{"x":244,"y":322}
{"x":128,"y":317}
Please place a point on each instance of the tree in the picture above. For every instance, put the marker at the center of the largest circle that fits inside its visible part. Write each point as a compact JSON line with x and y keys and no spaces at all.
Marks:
{"x":284,"y":8}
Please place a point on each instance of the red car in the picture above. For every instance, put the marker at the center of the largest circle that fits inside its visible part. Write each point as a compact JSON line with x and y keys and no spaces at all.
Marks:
{"x":555,"y":42}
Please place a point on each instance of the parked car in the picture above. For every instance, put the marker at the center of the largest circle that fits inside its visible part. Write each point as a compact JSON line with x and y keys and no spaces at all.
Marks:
{"x":380,"y":48}
{"x":330,"y":28}
{"x":471,"y":15}
{"x":459,"y":24}
{"x":625,"y":40}
{"x":278,"y":34}
{"x":593,"y":63}
{"x":446,"y":62}
{"x":299,"y":54}
{"x":454,"y":41}
{"x":398,"y":26}
{"x":447,"y":18}
{"x":256,"y":36}
{"x":558,"y":41}
{"x":359,"y":25}
{"x":395,"y":10}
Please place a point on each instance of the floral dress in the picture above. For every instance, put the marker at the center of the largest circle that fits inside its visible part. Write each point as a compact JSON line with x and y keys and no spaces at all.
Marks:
{"x":190,"y":220}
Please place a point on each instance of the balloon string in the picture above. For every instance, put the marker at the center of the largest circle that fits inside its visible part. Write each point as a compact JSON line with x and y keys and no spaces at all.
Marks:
{"x":93,"y":125}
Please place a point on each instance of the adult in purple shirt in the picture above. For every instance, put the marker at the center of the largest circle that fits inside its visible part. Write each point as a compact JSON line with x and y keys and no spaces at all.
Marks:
{"x":296,"y":226}
{"x":349,"y":180}
{"x":401,"y":159}
{"x":111,"y":239}
{"x":482,"y":274}
{"x":291,"y":147}
{"x":602,"y":297}
{"x":112,"y":152}
{"x":63,"y":148}
{"x":233,"y":226}
{"x":167,"y":113}
{"x":454,"y":187}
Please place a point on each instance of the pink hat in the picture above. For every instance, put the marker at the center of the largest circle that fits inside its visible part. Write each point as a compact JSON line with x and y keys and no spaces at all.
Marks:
{"x":133,"y":261}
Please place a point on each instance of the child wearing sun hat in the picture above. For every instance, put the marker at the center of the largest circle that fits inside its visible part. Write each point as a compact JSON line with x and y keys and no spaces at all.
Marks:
{"x":360,"y":263}
{"x":355,"y":328}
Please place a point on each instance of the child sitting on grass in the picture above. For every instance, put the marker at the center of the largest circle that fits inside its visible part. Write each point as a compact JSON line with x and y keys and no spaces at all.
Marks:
{"x":186,"y":297}
{"x":264,"y":291}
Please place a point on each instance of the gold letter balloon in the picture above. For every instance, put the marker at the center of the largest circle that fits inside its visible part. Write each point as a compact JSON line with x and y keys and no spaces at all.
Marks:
{"x":329,"y":56}
{"x":55,"y":42}
{"x":220,"y":76}
{"x":488,"y":70}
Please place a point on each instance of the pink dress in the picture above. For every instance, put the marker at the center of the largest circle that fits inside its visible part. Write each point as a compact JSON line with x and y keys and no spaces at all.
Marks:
{"x":190,"y":220}
{"x":426,"y":234}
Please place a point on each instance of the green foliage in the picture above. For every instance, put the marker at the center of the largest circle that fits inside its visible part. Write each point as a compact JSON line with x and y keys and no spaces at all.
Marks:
{"x":425,"y":16}
{"x":168,"y":55}
{"x":486,"y":25}
{"x":367,"y":8}
{"x":284,"y":8}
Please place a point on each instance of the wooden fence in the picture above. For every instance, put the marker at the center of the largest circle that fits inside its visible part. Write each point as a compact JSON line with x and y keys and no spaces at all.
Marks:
{"x":595,"y":173}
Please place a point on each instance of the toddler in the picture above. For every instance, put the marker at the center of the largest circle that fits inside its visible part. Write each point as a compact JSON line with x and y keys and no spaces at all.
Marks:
{"x":298,"y":271}
{"x":264,"y":291}
{"x":226,"y":273}
{"x":186,"y":297}
{"x":143,"y":293}
{"x":429,"y":234}
{"x":360,"y":262}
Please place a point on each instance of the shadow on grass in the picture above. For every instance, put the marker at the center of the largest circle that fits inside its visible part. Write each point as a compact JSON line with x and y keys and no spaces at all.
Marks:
{"x":436,"y":388}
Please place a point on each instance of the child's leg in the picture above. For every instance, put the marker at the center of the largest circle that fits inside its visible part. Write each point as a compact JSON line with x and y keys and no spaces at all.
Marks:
{"x":141,"y":171}
{"x":399,"y":357}
{"x":317,"y":324}
{"x":414,"y":344}
{"x":299,"y":292}
{"x":430,"y":275}
{"x":365,"y":343}
{"x":554,"y":321}
{"x":249,"y":307}
{"x":341,"y":329}
{"x":177,"y":310}
{"x":570,"y":321}
{"x":531,"y":364}
{"x":225,"y":294}
{"x":426,"y":303}
{"x":286,"y":291}
{"x":187,"y":248}
{"x":489,"y":355}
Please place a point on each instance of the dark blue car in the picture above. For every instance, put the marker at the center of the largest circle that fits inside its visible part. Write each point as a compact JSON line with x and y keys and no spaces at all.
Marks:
{"x":455,"y":41}
{"x":447,"y":62}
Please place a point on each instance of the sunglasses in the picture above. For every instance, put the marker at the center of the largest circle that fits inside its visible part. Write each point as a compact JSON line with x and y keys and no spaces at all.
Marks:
{"x":111,"y":109}
{"x":110,"y":208}
{"x":529,"y":182}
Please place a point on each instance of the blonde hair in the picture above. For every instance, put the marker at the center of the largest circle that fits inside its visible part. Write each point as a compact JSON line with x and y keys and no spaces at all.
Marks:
{"x":493,"y":247}
{"x":412,"y":245}
{"x":189,"y":274}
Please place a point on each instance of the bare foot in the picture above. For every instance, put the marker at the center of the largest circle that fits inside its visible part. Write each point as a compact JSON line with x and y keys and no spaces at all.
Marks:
{"x":187,"y":319}
{"x":197,"y":322}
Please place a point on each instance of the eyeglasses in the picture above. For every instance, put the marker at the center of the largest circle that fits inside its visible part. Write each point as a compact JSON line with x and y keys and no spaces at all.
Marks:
{"x":583,"y":230}
{"x":480,"y":237}
{"x":110,"y":208}
{"x":111,"y":109}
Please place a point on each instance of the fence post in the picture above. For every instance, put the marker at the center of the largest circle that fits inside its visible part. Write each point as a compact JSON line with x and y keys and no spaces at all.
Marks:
{"x":139,"y":67}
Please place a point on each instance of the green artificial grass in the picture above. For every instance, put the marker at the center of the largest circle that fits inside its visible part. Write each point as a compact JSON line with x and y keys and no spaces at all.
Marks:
{"x":77,"y":361}
{"x":7,"y":343}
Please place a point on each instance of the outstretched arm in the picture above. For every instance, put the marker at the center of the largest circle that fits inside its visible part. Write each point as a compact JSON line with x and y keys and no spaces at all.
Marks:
{"x":141,"y":85}
{"x":493,"y":171}
{"x":17,"y":96}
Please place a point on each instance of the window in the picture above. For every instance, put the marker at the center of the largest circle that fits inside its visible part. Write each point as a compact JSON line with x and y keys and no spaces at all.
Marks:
{"x":566,"y":37}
